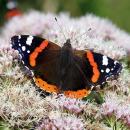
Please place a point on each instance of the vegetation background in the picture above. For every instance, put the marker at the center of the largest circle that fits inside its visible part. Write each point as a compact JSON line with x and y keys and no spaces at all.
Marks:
{"x":118,"y":11}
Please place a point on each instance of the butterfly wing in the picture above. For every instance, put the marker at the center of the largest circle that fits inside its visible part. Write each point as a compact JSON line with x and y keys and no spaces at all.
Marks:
{"x":100,"y":67}
{"x":44,"y":58}
{"x":74,"y":81}
{"x":93,"y":69}
{"x":32,"y":49}
{"x":40,"y":56}
{"x":67,"y":75}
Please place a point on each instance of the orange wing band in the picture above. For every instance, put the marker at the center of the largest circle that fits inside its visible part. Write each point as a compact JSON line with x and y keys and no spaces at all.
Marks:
{"x":96,"y":72}
{"x":13,"y":13}
{"x":54,"y":89}
{"x":35,"y":53}
{"x":77,"y":94}
{"x":45,"y":86}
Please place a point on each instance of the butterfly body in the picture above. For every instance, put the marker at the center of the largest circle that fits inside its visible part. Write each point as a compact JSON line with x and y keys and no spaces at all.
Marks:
{"x":62,"y":69}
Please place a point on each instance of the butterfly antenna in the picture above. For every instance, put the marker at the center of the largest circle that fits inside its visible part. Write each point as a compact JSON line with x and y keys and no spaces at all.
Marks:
{"x":61,"y":28}
{"x":81,"y":35}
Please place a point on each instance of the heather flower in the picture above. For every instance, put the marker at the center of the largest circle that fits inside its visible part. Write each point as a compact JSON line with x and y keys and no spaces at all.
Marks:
{"x":106,"y":30}
{"x":97,"y":126}
{"x":6,"y":57}
{"x":91,"y":112}
{"x":71,"y":104}
{"x":118,"y":106}
{"x":61,"y":121}
{"x":123,"y":111}
{"x":62,"y":103}
{"x":9,"y":64}
{"x":122,"y":84}
{"x":20,"y":105}
{"x":110,"y":105}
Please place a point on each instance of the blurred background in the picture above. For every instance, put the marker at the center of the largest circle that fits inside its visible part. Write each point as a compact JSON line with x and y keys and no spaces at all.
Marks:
{"x":115,"y":10}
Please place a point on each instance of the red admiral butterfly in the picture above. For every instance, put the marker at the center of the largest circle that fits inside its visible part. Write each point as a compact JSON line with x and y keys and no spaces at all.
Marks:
{"x":62,"y":69}
{"x":12,"y":9}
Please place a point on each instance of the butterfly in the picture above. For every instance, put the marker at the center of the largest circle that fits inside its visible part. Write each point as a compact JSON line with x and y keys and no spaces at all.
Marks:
{"x":12,"y":9}
{"x":64,"y":69}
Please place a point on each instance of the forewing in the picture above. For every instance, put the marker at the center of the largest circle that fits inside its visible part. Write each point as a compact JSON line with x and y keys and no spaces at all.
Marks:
{"x":100,"y":67}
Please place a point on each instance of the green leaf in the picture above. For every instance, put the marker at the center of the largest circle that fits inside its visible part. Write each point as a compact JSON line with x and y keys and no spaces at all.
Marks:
{"x":95,"y":96}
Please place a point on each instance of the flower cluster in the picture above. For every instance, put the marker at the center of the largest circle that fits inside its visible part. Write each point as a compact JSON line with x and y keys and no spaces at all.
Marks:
{"x":72,"y":105}
{"x":116,"y":105}
{"x":61,"y":121}
{"x":20,"y":104}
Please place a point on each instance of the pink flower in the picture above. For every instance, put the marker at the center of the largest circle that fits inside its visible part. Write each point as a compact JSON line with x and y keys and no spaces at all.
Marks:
{"x":110,"y":105}
{"x":72,"y":104}
{"x":61,"y":121}
{"x":128,"y":120}
{"x":117,"y":106}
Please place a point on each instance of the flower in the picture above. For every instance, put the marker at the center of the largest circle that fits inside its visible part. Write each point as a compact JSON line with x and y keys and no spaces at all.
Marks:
{"x":121,"y":84}
{"x":71,"y":104}
{"x":61,"y":121}
{"x":117,"y":106}
{"x":110,"y":105}
{"x":20,"y":104}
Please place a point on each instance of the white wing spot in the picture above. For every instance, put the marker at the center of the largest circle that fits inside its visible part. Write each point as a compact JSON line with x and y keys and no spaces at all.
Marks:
{"x":105,"y":60}
{"x":29,"y":40}
{"x":115,"y":62}
{"x":28,"y":51}
{"x":32,"y":73}
{"x":23,"y":48}
{"x":19,"y":36}
{"x":20,"y":56}
{"x":107,"y":70}
{"x":26,"y":67}
{"x":22,"y":61}
{"x":102,"y":71}
{"x":19,"y":44}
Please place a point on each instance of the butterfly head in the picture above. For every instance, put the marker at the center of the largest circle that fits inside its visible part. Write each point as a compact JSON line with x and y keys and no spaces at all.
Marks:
{"x":67,"y":44}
